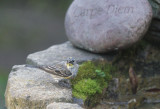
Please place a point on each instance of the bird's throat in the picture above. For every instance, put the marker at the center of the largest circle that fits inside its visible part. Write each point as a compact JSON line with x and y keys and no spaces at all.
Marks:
{"x":69,"y":65}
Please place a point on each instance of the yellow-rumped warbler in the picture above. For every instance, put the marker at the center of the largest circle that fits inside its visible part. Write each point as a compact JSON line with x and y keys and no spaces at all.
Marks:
{"x":66,"y":69}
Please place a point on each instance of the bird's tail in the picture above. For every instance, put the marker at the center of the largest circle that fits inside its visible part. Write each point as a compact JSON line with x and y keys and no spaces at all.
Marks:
{"x":32,"y":66}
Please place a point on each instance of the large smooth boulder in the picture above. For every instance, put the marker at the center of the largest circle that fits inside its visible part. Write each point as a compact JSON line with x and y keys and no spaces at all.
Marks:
{"x":105,"y":25}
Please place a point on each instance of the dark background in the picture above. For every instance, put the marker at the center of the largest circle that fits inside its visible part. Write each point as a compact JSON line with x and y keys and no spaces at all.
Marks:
{"x":28,"y":26}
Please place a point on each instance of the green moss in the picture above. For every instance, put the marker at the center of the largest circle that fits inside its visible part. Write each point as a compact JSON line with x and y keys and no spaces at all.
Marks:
{"x":85,"y":88}
{"x":132,"y":52}
{"x":92,"y":79}
{"x":128,"y":57}
{"x":90,"y":70}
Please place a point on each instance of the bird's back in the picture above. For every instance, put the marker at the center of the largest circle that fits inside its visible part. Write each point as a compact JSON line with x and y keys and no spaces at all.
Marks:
{"x":59,"y":69}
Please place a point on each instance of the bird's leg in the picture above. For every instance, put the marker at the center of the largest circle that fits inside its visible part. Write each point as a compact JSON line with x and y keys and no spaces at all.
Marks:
{"x":64,"y":83}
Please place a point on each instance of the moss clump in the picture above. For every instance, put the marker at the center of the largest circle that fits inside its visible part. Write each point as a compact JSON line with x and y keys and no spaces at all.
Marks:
{"x":83,"y":86}
{"x":91,"y":80}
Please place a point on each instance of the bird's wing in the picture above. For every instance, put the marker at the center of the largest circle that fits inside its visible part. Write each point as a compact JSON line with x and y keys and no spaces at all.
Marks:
{"x":59,"y":70}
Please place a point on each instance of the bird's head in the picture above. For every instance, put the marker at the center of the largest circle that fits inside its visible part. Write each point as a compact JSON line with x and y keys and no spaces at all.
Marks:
{"x":71,"y":62}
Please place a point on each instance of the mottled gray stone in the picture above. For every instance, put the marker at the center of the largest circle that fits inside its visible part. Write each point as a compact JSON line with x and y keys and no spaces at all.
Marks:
{"x":156,"y":8}
{"x":105,"y":25}
{"x":61,"y":52}
{"x":78,"y":101}
{"x":153,"y":34}
{"x":119,"y":94}
{"x":63,"y":106}
{"x":32,"y":88}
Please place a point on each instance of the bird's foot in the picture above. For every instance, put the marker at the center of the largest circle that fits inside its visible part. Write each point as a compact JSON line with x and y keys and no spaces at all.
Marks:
{"x":64,"y":83}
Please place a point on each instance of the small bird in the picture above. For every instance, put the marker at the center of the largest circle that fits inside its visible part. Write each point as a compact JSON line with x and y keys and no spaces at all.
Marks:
{"x":65,"y":69}
{"x":133,"y":80}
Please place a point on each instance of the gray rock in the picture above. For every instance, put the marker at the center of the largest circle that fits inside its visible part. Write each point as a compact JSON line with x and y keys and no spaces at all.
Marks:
{"x":153,"y":35}
{"x":63,"y":106}
{"x":147,"y":68}
{"x":105,"y":25}
{"x":156,"y":8}
{"x":78,"y":101}
{"x":61,"y":52}
{"x":32,"y":88}
{"x":148,"y":94}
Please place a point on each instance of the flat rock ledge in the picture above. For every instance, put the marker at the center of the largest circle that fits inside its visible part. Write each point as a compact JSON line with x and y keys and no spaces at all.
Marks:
{"x":61,"y":52}
{"x":63,"y":106}
{"x":32,"y":88}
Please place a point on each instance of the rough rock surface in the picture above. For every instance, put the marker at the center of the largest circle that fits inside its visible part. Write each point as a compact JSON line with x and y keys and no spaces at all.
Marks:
{"x":61,"y":52}
{"x":153,"y":35}
{"x":105,"y":25}
{"x":146,"y":64}
{"x":32,"y":88}
{"x":156,"y":8}
{"x":63,"y":106}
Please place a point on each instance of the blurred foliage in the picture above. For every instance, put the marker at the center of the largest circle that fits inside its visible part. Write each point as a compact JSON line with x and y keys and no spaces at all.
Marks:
{"x":24,"y":25}
{"x":25,"y":36}
{"x":60,"y":5}
{"x":3,"y":82}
